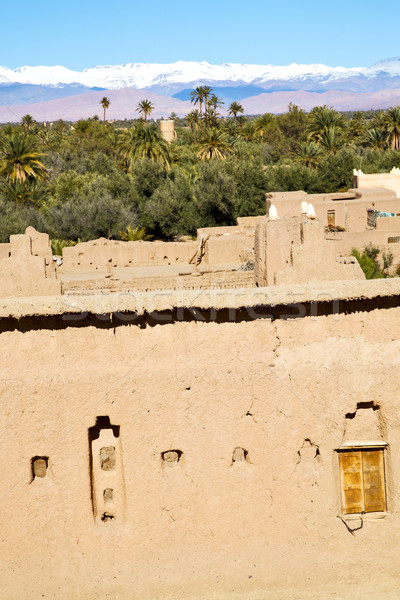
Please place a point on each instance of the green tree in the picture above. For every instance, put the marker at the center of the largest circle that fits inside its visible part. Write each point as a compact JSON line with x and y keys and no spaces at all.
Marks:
{"x":391,"y":122}
{"x":145,"y":108}
{"x":27,"y":121}
{"x":105,"y":103}
{"x":133,"y":234}
{"x":331,"y":139}
{"x":376,"y":138}
{"x":212,"y":113}
{"x":213,"y":144}
{"x":293,"y":125}
{"x":141,"y":142}
{"x":263,"y":122}
{"x":248,"y":132}
{"x":19,"y":160}
{"x":322,"y":118}
{"x":356,"y":127}
{"x":308,"y":153}
{"x":214,"y":193}
{"x":193,"y":120}
{"x":234,"y":109}
{"x":171,"y":210}
{"x":207,"y":95}
{"x":201,"y":95}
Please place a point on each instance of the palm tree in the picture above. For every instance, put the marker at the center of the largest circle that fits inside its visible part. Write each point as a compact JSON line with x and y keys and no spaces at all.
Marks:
{"x":376,"y":138}
{"x":391,"y":121}
{"x":27,"y":121}
{"x":133,"y":234}
{"x":214,"y":103}
{"x":145,"y":108}
{"x":140,"y":142}
{"x":234,"y":109}
{"x":199,"y":95}
{"x":248,"y":132}
{"x":19,"y":160}
{"x":207,"y":96}
{"x":214,"y":144}
{"x":263,"y":122}
{"x":322,"y":118}
{"x":105,"y":103}
{"x":193,"y":120}
{"x":356,"y":127}
{"x":308,"y":153}
{"x":331,"y":140}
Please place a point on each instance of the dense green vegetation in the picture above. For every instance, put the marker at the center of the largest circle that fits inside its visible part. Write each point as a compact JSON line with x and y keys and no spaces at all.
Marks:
{"x":122,"y":180}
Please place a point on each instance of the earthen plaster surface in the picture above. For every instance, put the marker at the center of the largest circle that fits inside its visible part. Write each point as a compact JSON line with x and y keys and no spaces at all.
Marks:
{"x":205,"y":527}
{"x":225,"y":409}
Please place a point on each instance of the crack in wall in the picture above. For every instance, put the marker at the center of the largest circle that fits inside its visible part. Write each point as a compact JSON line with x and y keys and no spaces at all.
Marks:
{"x":275,"y":350}
{"x":249,"y":412}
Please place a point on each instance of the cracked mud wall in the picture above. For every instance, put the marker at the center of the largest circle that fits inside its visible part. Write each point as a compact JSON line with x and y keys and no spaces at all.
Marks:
{"x":204,"y":525}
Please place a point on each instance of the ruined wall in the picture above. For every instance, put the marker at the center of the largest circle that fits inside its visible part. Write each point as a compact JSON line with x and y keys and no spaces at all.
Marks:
{"x":294,"y":250}
{"x":229,"y":248}
{"x":26,"y":266}
{"x":226,"y":477}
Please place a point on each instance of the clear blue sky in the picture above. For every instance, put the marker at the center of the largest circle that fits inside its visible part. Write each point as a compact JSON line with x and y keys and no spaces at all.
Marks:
{"x":80,"y":34}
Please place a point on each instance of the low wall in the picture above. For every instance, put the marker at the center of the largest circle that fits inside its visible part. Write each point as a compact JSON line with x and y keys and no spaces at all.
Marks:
{"x":388,"y":224}
{"x":100,"y":253}
{"x":232,"y":248}
{"x":387,"y":241}
{"x":389,"y":181}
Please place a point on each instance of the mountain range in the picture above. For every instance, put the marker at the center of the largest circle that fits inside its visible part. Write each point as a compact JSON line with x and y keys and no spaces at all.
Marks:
{"x":57,"y":92}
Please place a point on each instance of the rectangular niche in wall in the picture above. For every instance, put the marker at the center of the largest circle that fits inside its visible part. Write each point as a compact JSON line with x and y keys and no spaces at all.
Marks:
{"x":107,"y":478}
{"x":362,"y":480}
{"x":39,"y":466}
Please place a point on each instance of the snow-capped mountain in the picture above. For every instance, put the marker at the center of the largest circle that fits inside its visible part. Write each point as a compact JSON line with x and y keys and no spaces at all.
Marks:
{"x":177,"y":76}
{"x":49,"y":93}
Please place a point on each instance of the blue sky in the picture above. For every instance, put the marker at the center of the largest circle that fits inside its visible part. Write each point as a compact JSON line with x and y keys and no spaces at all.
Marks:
{"x":80,"y":34}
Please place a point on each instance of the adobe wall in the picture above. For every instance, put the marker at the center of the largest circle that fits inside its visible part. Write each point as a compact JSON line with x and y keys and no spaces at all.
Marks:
{"x":389,"y":181}
{"x":206,"y":526}
{"x":97,"y":254}
{"x":26,"y":266}
{"x":228,"y":248}
{"x":294,"y":250}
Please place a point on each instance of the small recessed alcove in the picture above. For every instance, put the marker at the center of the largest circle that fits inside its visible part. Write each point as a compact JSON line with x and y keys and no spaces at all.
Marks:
{"x":171,"y":457}
{"x":39,"y":465}
{"x":239,"y":455}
